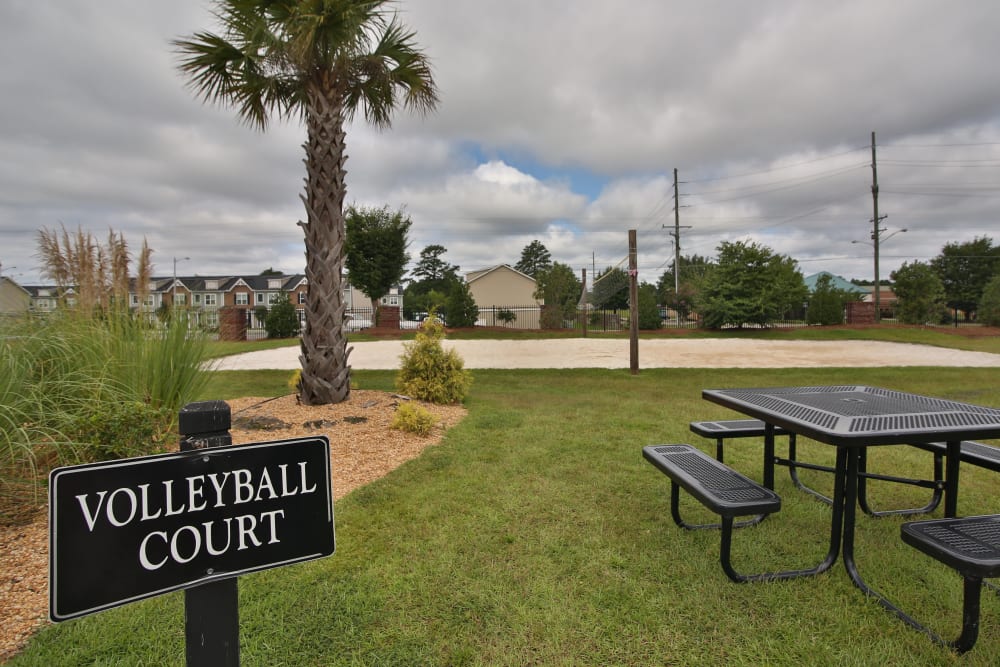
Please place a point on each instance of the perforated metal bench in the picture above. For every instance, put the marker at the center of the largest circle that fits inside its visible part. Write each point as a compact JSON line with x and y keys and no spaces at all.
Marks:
{"x":723,"y":430}
{"x":727,"y":429}
{"x":971,"y":452}
{"x":719,"y":488}
{"x":971,"y":546}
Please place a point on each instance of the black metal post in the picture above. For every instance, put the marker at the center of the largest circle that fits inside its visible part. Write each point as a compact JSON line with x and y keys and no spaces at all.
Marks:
{"x":211,"y":611}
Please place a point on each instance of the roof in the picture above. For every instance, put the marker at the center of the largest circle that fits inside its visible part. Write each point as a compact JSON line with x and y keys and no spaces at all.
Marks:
{"x":476,"y":275}
{"x":5,"y":279}
{"x":836,"y":282}
{"x":227,"y":283}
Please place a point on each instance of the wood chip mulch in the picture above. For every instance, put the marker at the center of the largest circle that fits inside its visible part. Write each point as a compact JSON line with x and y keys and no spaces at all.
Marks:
{"x":363,"y":448}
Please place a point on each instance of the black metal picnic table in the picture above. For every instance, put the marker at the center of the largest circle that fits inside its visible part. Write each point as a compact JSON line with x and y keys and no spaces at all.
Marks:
{"x":852,"y":418}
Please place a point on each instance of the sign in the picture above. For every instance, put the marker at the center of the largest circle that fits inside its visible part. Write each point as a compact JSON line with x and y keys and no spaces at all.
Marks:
{"x":121,"y":531}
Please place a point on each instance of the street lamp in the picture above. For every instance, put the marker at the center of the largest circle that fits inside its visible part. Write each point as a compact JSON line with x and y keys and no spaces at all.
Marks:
{"x":877,"y":238}
{"x":173,"y":286}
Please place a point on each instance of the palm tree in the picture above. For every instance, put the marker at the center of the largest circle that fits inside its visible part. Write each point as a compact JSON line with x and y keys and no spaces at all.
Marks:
{"x":320,"y":60}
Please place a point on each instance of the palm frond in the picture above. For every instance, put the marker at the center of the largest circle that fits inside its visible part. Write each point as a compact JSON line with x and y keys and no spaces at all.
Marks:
{"x":395,"y":66}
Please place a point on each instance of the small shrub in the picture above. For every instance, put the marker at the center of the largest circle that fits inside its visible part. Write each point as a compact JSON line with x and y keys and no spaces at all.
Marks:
{"x":282,"y":321}
{"x":506,"y":316}
{"x":428,"y":371}
{"x":295,"y":380}
{"x":119,"y":430}
{"x":413,"y":419}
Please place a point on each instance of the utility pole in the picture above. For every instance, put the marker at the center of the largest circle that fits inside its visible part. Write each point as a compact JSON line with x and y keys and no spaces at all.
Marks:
{"x":677,"y":241}
{"x":876,"y":232}
{"x":677,"y":237}
{"x":633,"y":297}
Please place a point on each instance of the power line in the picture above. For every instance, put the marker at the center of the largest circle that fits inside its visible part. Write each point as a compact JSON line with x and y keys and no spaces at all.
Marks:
{"x":773,"y":169}
{"x":806,"y":181}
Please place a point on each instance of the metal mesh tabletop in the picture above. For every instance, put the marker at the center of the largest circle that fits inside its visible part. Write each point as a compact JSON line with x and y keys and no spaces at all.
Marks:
{"x":848,"y":414}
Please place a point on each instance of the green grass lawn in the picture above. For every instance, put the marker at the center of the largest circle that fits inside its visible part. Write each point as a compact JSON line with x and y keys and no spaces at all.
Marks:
{"x":535,"y":533}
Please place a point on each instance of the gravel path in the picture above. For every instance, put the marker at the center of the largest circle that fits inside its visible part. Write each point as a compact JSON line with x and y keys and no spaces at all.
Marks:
{"x":672,"y":353}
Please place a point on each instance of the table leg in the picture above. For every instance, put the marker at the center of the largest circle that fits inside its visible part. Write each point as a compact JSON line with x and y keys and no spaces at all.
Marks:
{"x":951,"y":466}
{"x":850,"y":502}
{"x":769,"y":456}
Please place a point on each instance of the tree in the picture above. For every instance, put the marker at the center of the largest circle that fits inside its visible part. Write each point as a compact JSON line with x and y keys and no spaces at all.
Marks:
{"x":460,"y":308}
{"x":560,"y":289}
{"x":430,"y":266}
{"x":649,"y":311}
{"x":610,"y":289}
{"x":282,"y":321}
{"x":376,"y":251}
{"x":826,"y":304}
{"x":320,"y":62}
{"x":750,"y":285}
{"x":964,"y":270}
{"x":535,"y":258}
{"x":989,"y":305}
{"x":920,"y":292}
{"x":436,"y":279}
{"x":683,"y":297}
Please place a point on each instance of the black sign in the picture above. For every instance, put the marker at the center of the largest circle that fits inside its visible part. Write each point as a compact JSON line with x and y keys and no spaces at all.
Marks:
{"x":121,"y":531}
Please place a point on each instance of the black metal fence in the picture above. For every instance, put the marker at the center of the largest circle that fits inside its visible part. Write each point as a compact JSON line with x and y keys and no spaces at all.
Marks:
{"x":530,"y":317}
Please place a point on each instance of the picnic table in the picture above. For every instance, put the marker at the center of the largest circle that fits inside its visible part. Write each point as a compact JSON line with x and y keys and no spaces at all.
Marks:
{"x":852,"y":418}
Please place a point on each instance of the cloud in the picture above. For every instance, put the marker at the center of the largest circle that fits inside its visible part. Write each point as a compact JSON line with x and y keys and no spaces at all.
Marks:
{"x":557,"y":122}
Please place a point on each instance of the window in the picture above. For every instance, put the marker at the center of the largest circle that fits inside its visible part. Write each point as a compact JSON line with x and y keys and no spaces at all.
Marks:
{"x":180,"y":298}
{"x":274,"y":283}
{"x":197,"y":299}
{"x":258,"y":298}
{"x":135,"y":299}
{"x":242,"y":299}
{"x":211,"y":299}
{"x":302,"y":298}
{"x":272,"y":297}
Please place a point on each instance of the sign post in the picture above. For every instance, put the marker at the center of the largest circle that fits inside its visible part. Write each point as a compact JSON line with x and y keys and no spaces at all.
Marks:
{"x":121,"y":531}
{"x":211,"y":611}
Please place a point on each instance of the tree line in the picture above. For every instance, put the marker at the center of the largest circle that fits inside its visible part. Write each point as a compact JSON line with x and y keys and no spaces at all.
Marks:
{"x":747,"y":284}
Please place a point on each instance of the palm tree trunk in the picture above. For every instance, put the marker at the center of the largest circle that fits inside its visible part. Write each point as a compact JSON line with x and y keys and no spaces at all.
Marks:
{"x":325,"y":373}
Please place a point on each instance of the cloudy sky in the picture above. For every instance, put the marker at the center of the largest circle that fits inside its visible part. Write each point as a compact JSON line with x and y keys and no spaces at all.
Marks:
{"x":559,"y":120}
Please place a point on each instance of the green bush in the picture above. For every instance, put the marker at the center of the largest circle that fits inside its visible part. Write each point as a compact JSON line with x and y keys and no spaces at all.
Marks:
{"x":921,"y":294}
{"x":282,"y":321}
{"x":413,"y":419}
{"x":120,"y":430}
{"x":71,"y":386}
{"x":826,"y":305}
{"x":428,"y":371}
{"x":506,"y":316}
{"x":649,"y":311}
{"x":461,"y":306}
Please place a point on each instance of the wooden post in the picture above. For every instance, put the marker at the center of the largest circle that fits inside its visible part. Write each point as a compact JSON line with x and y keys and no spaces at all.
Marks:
{"x":211,"y":611}
{"x":633,"y":297}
